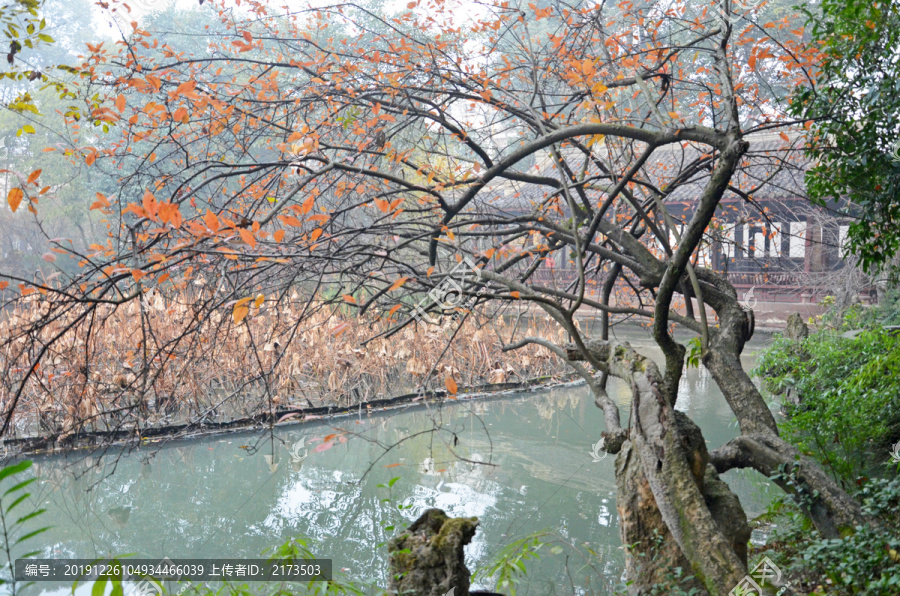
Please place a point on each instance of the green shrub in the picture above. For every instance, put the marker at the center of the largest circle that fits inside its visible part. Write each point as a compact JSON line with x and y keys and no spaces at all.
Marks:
{"x":847,"y":416}
{"x":849,"y":398}
{"x":866,"y":562}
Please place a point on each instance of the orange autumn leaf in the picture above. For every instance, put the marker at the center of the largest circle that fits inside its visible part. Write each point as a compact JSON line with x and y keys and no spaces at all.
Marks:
{"x":514,"y":294}
{"x":120,"y":103}
{"x":185,"y":87}
{"x":101,"y":203}
{"x":169,"y":213}
{"x":398,"y":283}
{"x":349,"y":298}
{"x":34,"y":176}
{"x":4,"y":285}
{"x":307,"y":205}
{"x":394,"y":309}
{"x":150,"y":205}
{"x":14,"y":198}
{"x":247,"y":237}
{"x":90,"y":158}
{"x":329,"y":437}
{"x":340,"y":328}
{"x":392,"y":465}
{"x":211,"y":221}
{"x":240,"y":313}
{"x":241,"y":310}
{"x":290,"y":220}
{"x":451,"y":385}
{"x":318,"y":217}
{"x":315,"y":234}
{"x":278,"y":235}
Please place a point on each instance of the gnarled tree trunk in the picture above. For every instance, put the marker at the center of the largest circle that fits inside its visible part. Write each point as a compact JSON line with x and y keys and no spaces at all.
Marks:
{"x":653,"y":553}
{"x":673,"y":509}
{"x":833,"y":512}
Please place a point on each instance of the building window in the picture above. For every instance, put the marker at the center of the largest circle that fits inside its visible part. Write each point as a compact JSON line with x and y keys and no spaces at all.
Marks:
{"x":742,"y":249}
{"x":798,"y":240}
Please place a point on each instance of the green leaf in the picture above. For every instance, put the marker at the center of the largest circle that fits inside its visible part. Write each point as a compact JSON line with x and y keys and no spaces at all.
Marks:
{"x":116,"y":588}
{"x":99,"y":588}
{"x":28,"y":516}
{"x":45,"y":38}
{"x":18,"y":500}
{"x":14,"y":469}
{"x":20,"y":486}
{"x":31,"y":534}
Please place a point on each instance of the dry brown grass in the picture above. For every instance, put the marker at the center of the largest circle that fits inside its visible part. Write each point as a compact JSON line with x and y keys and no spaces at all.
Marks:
{"x":163,"y":361}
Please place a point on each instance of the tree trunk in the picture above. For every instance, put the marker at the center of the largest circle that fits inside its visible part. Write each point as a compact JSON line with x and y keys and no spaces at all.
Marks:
{"x":833,"y":512}
{"x":673,"y":511}
{"x":652,"y":552}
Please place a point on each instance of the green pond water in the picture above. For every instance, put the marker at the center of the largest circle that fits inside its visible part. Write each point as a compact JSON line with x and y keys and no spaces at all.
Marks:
{"x":236,"y":495}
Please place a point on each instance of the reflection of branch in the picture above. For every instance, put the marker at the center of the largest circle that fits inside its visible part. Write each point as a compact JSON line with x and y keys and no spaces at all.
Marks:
{"x":601,"y":398}
{"x":388,"y":448}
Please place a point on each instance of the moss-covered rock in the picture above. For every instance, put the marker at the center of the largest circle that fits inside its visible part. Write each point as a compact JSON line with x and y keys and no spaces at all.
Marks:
{"x":427,"y":559}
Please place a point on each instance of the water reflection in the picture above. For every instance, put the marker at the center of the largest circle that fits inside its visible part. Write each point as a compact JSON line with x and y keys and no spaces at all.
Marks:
{"x":520,"y":464}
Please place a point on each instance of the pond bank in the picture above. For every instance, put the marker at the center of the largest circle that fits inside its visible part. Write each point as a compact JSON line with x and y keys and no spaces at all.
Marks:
{"x":94,"y":439}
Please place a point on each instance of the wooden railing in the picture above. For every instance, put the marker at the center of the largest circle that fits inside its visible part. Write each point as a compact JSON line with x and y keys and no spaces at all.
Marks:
{"x":769,"y":278}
